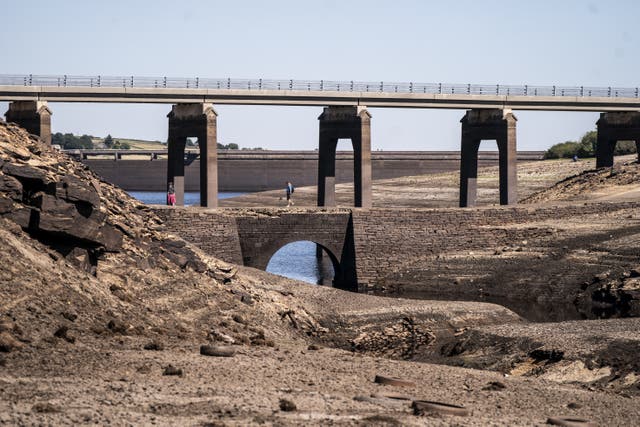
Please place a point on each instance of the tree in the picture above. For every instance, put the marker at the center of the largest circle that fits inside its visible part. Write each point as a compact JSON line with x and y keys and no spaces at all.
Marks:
{"x":565,"y":149}
{"x":230,"y":146}
{"x":86,"y":141}
{"x":588,"y":144}
{"x":108,"y":141}
{"x":57,"y":139}
{"x":586,"y":147}
{"x":69,"y":141}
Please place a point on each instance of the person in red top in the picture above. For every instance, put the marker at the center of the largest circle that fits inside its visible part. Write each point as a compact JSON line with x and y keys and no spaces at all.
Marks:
{"x":171,"y":195}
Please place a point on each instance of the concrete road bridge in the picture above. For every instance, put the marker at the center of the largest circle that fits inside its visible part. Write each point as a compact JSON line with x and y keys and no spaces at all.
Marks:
{"x":489,"y":117}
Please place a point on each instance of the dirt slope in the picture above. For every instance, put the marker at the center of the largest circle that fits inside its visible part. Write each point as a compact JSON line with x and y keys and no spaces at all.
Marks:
{"x":622,"y":182}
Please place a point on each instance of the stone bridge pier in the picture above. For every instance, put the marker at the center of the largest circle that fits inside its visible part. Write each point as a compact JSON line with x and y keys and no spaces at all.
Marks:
{"x":494,"y":124}
{"x":614,"y":127}
{"x":345,"y":122}
{"x":200,"y":121}
{"x":34,"y":116}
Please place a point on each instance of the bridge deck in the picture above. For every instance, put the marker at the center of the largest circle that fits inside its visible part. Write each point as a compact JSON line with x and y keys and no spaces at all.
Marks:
{"x":314,"y":93}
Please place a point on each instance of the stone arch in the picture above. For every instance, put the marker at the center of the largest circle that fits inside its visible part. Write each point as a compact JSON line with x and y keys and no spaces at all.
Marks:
{"x":261,"y":236}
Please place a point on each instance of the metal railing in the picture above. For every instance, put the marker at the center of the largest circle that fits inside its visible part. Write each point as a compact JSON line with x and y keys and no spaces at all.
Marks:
{"x":313,"y":85}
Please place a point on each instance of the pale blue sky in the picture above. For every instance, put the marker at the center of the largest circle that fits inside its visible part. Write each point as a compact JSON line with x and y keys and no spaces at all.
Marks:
{"x":591,"y":43}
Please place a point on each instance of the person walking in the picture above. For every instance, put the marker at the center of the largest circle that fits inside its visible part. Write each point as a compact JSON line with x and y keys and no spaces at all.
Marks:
{"x":171,"y":195}
{"x":290,"y":189}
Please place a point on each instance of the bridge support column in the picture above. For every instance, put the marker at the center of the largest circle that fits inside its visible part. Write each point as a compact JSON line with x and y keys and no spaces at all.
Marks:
{"x":34,"y":116}
{"x":614,"y":127}
{"x":345,"y":122}
{"x":478,"y":125}
{"x":200,"y":121}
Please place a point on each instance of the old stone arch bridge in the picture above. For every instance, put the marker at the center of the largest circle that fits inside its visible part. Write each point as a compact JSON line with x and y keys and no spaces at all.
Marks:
{"x":368,"y":247}
{"x":252,"y":237}
{"x":262,"y":235}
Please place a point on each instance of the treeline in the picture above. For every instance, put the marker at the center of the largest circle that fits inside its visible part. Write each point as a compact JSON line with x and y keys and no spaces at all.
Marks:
{"x":586,"y":147}
{"x":230,"y":146}
{"x":234,"y":146}
{"x":193,"y":142}
{"x":69,"y":141}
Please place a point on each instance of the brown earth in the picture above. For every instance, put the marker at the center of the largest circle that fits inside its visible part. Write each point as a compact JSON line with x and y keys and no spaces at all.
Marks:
{"x":439,"y":190}
{"x":103,"y":315}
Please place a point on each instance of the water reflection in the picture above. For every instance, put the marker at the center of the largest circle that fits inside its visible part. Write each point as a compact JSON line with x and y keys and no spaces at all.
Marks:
{"x":191,"y":198}
{"x":298,"y":261}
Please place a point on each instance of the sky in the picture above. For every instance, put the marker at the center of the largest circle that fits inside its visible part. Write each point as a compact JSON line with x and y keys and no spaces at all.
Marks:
{"x":569,"y":42}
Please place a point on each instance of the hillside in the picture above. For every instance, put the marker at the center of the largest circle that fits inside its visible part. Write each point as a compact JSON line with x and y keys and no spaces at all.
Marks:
{"x":430,"y":190}
{"x":136,"y":144}
{"x":622,"y":182}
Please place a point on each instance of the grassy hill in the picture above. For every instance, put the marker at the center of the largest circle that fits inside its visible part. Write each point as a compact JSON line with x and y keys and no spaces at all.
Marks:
{"x":136,"y":144}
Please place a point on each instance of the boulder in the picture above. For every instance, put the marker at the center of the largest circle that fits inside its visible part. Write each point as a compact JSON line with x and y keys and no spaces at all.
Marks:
{"x":10,"y":187}
{"x":28,"y":175}
{"x":74,"y":190}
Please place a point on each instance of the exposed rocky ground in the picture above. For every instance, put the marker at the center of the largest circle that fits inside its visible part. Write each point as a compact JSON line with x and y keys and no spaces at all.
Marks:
{"x":432,"y":190}
{"x":105,"y":318}
{"x":621,"y":182}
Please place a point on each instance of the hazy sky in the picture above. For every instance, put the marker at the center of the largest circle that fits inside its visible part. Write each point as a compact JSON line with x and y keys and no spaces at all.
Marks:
{"x":569,"y":42}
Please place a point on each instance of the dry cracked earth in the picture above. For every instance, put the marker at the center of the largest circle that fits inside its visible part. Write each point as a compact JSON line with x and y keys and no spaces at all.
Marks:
{"x":108,"y":319}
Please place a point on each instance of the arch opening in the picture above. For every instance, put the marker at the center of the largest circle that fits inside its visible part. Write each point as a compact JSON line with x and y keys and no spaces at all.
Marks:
{"x":306,"y":261}
{"x":488,"y":182}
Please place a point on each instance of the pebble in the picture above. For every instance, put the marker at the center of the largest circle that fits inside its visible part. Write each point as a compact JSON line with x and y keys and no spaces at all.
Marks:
{"x":287,"y":405}
{"x":172,"y":370}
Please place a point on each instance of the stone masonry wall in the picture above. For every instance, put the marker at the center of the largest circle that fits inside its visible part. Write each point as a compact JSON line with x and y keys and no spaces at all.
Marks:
{"x":387,"y":239}
{"x":213,"y":231}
